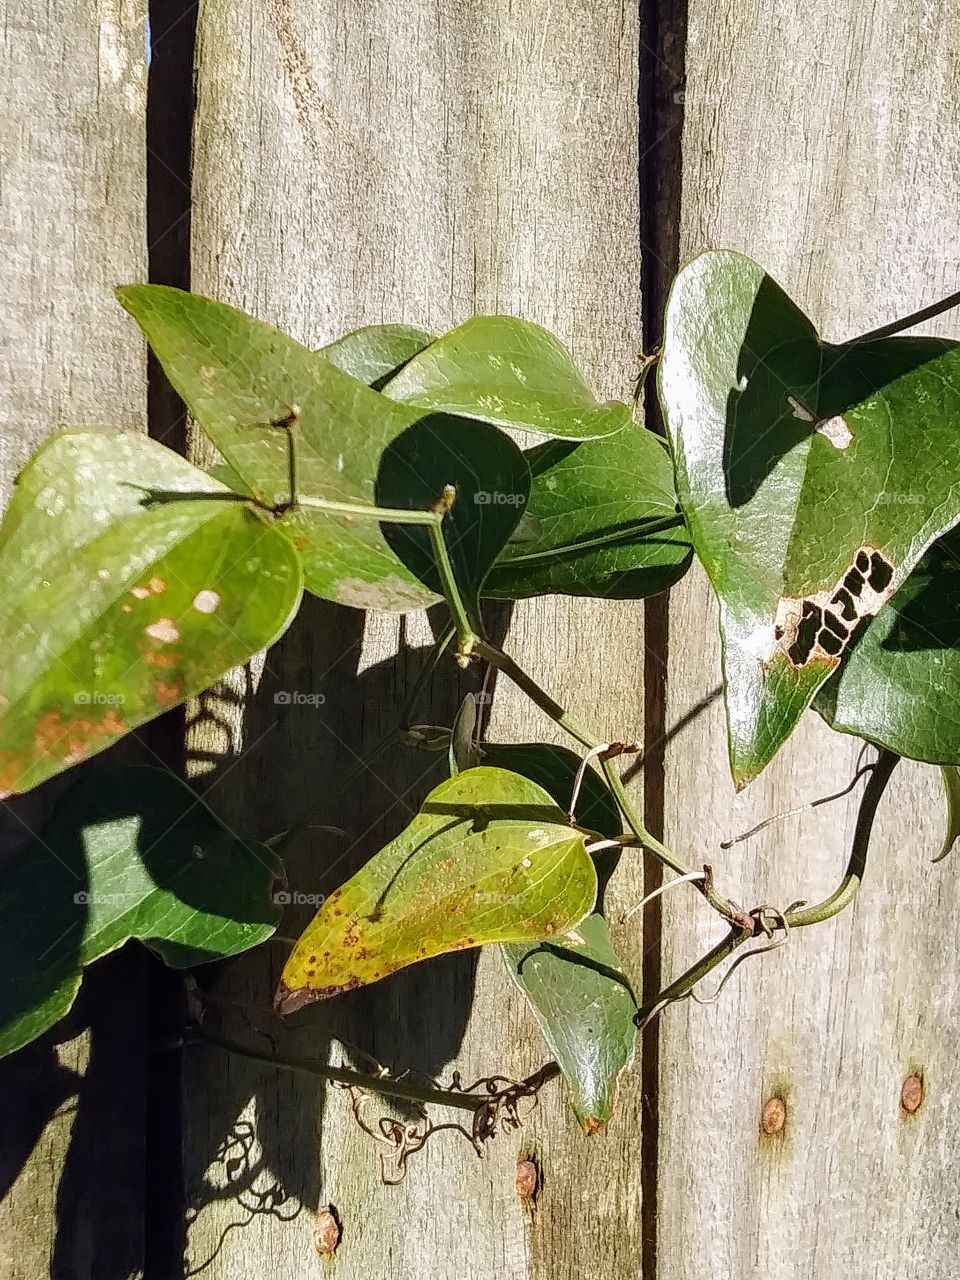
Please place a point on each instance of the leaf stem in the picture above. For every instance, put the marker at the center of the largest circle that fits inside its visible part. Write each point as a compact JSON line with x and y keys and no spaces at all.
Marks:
{"x":466,"y":630}
{"x":550,"y":707}
{"x":847,"y":890}
{"x":681,"y":987}
{"x":640,"y":529}
{"x":908,"y":322}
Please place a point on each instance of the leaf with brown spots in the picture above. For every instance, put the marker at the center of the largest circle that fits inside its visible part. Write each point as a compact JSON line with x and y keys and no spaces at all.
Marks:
{"x":114,"y":609}
{"x":489,"y":858}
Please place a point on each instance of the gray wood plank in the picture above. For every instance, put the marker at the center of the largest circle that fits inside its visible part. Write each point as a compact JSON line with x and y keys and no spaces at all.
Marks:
{"x":73,"y":224}
{"x":409,"y":162}
{"x":821,"y":141}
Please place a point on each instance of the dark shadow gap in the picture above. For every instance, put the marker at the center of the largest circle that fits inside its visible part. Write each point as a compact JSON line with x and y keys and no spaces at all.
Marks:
{"x":662,"y":72}
{"x":171,"y":39}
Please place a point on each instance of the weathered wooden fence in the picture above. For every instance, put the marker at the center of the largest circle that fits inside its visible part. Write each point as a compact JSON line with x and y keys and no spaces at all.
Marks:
{"x":417,"y":161}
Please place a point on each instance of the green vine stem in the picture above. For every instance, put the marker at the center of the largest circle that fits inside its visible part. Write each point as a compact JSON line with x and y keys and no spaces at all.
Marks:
{"x":846,"y":891}
{"x":383,"y":1084}
{"x":682,"y":987}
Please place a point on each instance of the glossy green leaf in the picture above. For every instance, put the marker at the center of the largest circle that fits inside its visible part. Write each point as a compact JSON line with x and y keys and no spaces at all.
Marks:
{"x":375,"y":353}
{"x":511,"y":373}
{"x":113,"y":610}
{"x":604,"y":522}
{"x":579,"y":995}
{"x":355,"y":447}
{"x":900,"y":684}
{"x":129,"y":853}
{"x":812,"y":478}
{"x":489,"y":858}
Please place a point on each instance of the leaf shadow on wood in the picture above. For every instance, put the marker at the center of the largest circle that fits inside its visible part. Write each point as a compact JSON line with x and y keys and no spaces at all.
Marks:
{"x":255,"y":1135}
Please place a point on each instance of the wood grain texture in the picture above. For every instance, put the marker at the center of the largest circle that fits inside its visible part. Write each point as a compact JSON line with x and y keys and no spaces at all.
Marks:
{"x":73,"y":224}
{"x":820,"y":141}
{"x":413,"y":162}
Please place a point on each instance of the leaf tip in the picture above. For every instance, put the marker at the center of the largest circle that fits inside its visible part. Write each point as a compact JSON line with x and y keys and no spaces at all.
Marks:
{"x":289,"y":1000}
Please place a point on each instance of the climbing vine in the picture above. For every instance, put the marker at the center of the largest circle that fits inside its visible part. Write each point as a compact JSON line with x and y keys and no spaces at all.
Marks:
{"x":817,"y":484}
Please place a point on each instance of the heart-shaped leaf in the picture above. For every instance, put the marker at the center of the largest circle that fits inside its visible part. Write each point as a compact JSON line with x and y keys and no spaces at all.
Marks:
{"x":900,"y":684}
{"x":812,"y":478}
{"x":129,"y":853}
{"x":509,"y":372}
{"x":113,"y":610}
{"x":489,"y":858}
{"x":357,"y":451}
{"x":579,"y":995}
{"x":603,"y":522}
{"x":377,"y":352}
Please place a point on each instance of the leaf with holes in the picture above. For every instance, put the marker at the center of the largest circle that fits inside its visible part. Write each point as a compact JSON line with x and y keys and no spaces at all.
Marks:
{"x":377,"y":352}
{"x":115,"y":610}
{"x":129,"y":853}
{"x":900,"y":684}
{"x":511,"y":373}
{"x":604,"y":522}
{"x":580,"y":996}
{"x":812,"y":477}
{"x":489,"y":858}
{"x":357,"y":451}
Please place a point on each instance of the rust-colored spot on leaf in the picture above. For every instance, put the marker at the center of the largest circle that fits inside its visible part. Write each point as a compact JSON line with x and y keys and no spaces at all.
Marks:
{"x":167,"y":692}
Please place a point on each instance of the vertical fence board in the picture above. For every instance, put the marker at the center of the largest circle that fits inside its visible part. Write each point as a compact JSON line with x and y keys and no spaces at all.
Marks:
{"x":820,"y":140}
{"x":419,"y":163}
{"x":73,"y":224}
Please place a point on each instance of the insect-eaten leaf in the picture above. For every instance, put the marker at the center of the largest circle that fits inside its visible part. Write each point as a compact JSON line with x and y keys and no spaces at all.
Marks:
{"x":116,"y":609}
{"x":511,"y":373}
{"x":812,"y":477}
{"x":489,"y":858}
{"x":900,"y":684}
{"x":128,"y":853}
{"x":256,"y":392}
{"x":580,"y":995}
{"x":377,"y":352}
{"x":602,"y":521}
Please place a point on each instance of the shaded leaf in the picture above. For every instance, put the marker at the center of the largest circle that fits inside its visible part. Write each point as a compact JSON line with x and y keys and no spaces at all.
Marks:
{"x":462,"y":753}
{"x":580,"y":996}
{"x":489,"y":858}
{"x":509,"y":372}
{"x":598,"y":522}
{"x":812,"y":477}
{"x":373,"y":354}
{"x":114,"y":611}
{"x":586,"y":1009}
{"x":355,"y":447}
{"x":900,"y":684}
{"x":129,"y":853}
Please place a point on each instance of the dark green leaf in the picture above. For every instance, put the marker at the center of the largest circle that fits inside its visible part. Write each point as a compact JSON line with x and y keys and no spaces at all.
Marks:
{"x":375,"y":353}
{"x":603,"y":522}
{"x":356,"y":448}
{"x":115,"y":611}
{"x":489,"y":858}
{"x":509,"y":372}
{"x":129,"y":853}
{"x":462,"y":752}
{"x":812,"y":477}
